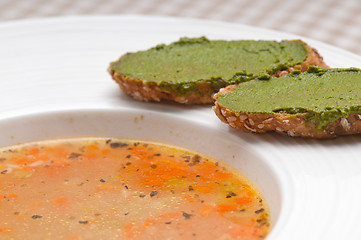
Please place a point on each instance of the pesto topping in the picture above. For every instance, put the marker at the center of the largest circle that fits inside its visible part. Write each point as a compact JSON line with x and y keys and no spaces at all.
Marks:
{"x":323,"y":95}
{"x":179,"y":65}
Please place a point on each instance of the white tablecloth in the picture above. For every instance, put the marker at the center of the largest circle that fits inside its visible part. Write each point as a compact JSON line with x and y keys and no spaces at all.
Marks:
{"x":336,"y":22}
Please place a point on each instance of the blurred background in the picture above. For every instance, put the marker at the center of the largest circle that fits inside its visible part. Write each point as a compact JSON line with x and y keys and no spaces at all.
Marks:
{"x":336,"y":22}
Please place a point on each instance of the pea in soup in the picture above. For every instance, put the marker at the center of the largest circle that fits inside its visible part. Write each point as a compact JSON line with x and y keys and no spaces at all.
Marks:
{"x":101,"y":188}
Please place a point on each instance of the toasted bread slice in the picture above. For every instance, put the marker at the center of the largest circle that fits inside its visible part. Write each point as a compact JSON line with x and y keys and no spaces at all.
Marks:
{"x":190,"y":71}
{"x":319,"y":103}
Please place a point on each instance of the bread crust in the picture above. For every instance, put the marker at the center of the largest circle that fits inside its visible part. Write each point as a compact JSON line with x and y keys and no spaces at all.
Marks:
{"x":150,"y":91}
{"x":293,"y":125}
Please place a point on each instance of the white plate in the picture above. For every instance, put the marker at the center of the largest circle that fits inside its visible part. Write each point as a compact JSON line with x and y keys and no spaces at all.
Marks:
{"x":57,"y":67}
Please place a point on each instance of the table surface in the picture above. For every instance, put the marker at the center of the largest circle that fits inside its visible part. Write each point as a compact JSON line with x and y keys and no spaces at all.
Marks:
{"x":336,"y":22}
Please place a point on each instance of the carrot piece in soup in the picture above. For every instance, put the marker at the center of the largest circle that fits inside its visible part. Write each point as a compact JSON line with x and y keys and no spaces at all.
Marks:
{"x":243,"y":200}
{"x":226,"y":208}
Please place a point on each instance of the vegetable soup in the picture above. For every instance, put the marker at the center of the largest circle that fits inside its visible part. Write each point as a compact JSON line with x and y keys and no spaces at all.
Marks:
{"x":110,"y":188}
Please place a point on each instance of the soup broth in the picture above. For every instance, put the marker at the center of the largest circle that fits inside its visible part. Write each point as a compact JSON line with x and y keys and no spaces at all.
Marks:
{"x":109,"y":188}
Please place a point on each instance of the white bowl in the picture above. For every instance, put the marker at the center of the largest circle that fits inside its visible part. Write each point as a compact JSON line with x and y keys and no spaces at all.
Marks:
{"x":148,"y":125}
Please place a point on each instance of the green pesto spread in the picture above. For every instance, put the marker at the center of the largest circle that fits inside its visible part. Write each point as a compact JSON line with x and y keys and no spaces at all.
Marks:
{"x":178,"y":66}
{"x":323,"y":95}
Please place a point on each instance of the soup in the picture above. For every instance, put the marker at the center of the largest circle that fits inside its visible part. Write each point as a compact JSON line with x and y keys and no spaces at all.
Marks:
{"x":109,"y":188}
